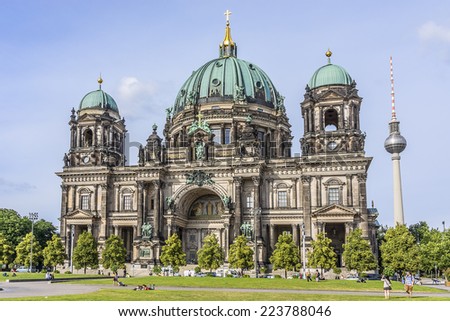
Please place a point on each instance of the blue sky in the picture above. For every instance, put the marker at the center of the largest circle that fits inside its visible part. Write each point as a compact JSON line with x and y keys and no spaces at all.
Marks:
{"x":51,"y":53}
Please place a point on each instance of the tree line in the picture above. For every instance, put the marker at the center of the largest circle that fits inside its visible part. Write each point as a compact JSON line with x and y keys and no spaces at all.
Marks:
{"x":417,"y":248}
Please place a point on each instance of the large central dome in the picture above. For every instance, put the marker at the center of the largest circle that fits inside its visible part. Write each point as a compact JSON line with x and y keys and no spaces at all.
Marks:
{"x":226,"y":79}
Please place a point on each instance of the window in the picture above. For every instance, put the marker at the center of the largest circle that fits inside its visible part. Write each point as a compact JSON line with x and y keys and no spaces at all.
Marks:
{"x":84,"y":201}
{"x":227,"y":139}
{"x":331,"y":120}
{"x":282,"y":199}
{"x":217,"y":132}
{"x":333,"y":195}
{"x":127,"y":203}
{"x":152,"y":204}
{"x":249,"y":201}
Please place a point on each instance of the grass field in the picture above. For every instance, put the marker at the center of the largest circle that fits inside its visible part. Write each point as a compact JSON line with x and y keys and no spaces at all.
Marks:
{"x":168,"y":295}
{"x":239,"y":284}
{"x":248,"y":283}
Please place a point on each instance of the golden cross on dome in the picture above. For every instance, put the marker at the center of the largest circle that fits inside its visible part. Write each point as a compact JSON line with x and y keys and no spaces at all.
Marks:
{"x":228,"y":13}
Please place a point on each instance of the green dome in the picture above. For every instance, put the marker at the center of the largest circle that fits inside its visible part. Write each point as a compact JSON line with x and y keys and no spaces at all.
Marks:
{"x":330,"y":75}
{"x":98,"y":99}
{"x":222,"y":79}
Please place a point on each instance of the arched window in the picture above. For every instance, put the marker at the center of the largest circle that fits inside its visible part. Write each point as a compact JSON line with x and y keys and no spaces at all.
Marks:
{"x":85,"y":199}
{"x":127,"y":199}
{"x":331,"y":119}
{"x":334,"y":189}
{"x":88,"y":138}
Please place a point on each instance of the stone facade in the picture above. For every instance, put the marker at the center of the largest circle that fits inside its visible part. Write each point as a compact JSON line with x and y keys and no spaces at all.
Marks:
{"x":224,"y":164}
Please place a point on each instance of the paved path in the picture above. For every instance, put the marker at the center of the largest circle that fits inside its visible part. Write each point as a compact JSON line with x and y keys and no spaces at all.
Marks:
{"x":44,"y":288}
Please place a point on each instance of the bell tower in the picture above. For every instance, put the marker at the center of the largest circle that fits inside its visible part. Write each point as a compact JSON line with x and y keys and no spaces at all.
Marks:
{"x":97,"y":133}
{"x":330,"y":111}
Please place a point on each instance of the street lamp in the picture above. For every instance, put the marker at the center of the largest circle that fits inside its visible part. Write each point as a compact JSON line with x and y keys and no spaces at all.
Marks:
{"x":33,"y":217}
{"x":72,"y":236}
{"x":256,"y":211}
{"x":303,"y":251}
{"x":443,"y":226}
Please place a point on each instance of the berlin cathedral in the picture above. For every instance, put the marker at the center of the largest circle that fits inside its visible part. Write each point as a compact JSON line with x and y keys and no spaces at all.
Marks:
{"x":222,"y":164}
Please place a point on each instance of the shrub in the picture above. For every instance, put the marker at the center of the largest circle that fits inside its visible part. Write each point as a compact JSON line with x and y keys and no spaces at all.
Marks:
{"x":337,"y":270}
{"x":230,"y":276}
{"x":57,"y":272}
{"x":157,"y":269}
{"x":246,"y":276}
{"x":277,"y":276}
{"x":447,"y":274}
{"x":67,"y":272}
{"x":197,"y":269}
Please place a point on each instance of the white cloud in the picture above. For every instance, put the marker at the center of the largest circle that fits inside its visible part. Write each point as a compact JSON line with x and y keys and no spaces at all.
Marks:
{"x":10,"y":187}
{"x":431,"y":31}
{"x":135,"y":96}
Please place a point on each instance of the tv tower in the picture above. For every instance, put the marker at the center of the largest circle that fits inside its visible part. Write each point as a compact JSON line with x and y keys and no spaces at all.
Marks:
{"x":395,"y":144}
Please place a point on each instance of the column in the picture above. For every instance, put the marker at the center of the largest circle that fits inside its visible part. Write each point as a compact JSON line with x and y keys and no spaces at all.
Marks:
{"x":140,"y":187}
{"x":319,"y":190}
{"x":257,"y":206}
{"x":226,"y":243}
{"x":294,"y":193}
{"x":272,"y":237}
{"x":306,"y":201}
{"x":238,"y":205}
{"x":103,"y":234}
{"x":64,"y":207}
{"x":295,"y":233}
{"x":363,"y":204}
{"x":157,"y":210}
{"x":349,"y":190}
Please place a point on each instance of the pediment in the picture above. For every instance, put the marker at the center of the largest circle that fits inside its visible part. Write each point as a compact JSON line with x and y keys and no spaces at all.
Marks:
{"x":80,"y":215}
{"x":335,"y":210}
{"x":331,"y":94}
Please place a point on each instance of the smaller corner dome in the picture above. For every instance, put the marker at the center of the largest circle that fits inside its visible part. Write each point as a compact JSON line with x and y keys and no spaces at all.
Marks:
{"x":98,"y":99}
{"x":330,"y":75}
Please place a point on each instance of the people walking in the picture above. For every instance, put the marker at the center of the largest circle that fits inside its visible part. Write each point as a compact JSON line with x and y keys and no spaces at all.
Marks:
{"x":409,"y":283}
{"x":387,"y":286}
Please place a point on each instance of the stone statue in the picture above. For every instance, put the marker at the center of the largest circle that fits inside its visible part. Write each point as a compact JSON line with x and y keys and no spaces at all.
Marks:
{"x":169,"y":112}
{"x":141,"y":156}
{"x":169,"y":202}
{"x":147,"y":229}
{"x":66,"y":160}
{"x":226,"y":201}
{"x":199,"y":150}
{"x":239,"y":92}
{"x":246,"y":229}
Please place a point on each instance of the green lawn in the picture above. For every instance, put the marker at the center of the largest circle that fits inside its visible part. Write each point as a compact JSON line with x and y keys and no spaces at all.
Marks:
{"x":167,"y":295}
{"x":248,"y":283}
{"x":127,"y":293}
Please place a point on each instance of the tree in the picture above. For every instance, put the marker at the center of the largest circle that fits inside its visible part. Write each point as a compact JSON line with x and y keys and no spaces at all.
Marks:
{"x":13,"y":226}
{"x":419,"y":231}
{"x":85,"y":253}
{"x":54,"y":253}
{"x":399,"y":251}
{"x":172,"y":253}
{"x":114,"y":254}
{"x":23,"y":251}
{"x":7,"y":252}
{"x":357,"y":253}
{"x":322,"y":254}
{"x":435,"y":250}
{"x":286,"y":253}
{"x":241,"y":255}
{"x":210,"y":256}
{"x":43,"y":231}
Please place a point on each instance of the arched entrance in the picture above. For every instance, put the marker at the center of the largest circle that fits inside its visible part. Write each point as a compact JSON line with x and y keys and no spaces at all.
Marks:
{"x":201,"y":211}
